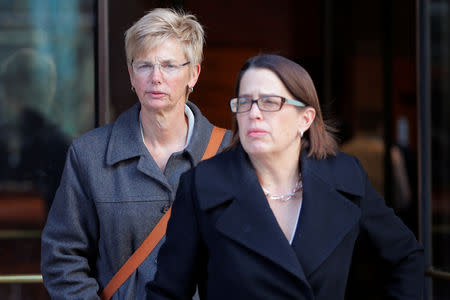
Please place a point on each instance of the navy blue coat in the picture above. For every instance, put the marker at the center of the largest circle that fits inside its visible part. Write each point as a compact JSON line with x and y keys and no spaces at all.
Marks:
{"x":224,"y":236}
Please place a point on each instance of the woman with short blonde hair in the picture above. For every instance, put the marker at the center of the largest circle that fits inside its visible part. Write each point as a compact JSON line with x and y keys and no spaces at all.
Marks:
{"x":121,"y":178}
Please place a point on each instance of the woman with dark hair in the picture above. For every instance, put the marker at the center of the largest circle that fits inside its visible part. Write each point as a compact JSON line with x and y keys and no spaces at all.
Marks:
{"x":278,"y":214}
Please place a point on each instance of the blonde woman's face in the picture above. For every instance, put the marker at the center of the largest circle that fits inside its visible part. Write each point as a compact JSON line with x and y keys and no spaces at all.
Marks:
{"x":161,"y":77}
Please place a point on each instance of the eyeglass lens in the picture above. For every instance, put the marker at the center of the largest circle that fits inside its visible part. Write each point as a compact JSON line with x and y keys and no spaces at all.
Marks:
{"x":145,"y":68}
{"x":268,"y":103}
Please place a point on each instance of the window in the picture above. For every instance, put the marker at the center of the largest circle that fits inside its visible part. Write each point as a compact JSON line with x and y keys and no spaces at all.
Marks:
{"x":47,"y":97}
{"x":434,"y":79}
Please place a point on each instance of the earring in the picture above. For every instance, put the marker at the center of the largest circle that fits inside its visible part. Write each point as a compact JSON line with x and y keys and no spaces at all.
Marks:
{"x":191,"y":89}
{"x":132,"y":89}
{"x":301,"y":133}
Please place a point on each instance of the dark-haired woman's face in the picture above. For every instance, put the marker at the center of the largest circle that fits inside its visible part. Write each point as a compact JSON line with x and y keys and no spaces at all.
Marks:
{"x":263,"y":132}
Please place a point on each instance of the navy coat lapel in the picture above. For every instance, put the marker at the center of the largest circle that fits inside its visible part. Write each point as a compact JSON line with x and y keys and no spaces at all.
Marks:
{"x":326,"y":215}
{"x":248,"y":219}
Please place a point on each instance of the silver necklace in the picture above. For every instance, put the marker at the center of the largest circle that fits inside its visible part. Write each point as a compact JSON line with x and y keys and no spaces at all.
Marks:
{"x":288,"y":196}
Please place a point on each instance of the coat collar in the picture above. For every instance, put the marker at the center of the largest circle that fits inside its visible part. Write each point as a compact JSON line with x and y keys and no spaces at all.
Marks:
{"x":126,"y":141}
{"x":248,"y":219}
{"x":338,"y":172}
{"x":326,"y":214}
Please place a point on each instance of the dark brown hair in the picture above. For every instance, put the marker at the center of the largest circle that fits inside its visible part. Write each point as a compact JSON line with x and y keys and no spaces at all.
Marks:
{"x":319,"y":140}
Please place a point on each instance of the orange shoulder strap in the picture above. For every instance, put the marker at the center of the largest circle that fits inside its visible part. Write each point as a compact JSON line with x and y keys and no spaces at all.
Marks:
{"x":157,"y":233}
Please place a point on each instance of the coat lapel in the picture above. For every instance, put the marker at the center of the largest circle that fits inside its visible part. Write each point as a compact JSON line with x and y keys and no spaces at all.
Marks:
{"x":126,"y":143}
{"x":326,"y":215}
{"x":249,"y":221}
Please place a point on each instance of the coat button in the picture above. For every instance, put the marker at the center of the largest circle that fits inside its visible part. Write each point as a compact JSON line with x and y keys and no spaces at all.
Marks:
{"x":165,"y":208}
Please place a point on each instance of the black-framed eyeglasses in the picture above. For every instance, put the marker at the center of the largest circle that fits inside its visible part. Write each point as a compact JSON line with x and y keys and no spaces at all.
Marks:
{"x":265,"y":103}
{"x":145,"y":68}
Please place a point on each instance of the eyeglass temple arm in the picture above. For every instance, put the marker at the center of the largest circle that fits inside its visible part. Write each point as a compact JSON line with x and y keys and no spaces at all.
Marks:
{"x":294,"y":102}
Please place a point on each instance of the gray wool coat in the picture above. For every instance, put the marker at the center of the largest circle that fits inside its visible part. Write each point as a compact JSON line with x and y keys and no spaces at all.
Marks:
{"x":110,"y":197}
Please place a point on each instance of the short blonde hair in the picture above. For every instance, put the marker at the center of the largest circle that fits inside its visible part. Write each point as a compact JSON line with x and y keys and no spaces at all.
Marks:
{"x":161,"y":24}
